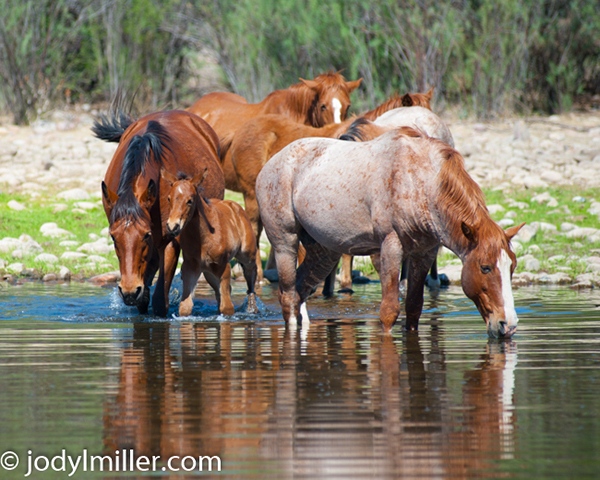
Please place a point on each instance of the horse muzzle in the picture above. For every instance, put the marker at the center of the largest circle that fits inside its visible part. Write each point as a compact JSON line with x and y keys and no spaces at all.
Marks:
{"x":132,"y":298}
{"x":173,"y":229}
{"x":501,"y":328}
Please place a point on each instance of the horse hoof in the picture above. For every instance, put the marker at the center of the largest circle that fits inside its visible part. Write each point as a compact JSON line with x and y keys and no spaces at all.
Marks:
{"x":349,"y":291}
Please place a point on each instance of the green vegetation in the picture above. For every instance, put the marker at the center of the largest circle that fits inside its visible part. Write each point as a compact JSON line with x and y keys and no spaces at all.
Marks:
{"x":485,"y":57}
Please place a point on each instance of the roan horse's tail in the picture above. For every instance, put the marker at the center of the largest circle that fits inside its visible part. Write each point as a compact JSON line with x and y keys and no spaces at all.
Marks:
{"x":110,"y":127}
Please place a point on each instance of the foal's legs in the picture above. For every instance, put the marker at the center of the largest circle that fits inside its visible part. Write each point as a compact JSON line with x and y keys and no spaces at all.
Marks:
{"x":419,"y":266}
{"x":390,"y":262}
{"x":222,"y":287}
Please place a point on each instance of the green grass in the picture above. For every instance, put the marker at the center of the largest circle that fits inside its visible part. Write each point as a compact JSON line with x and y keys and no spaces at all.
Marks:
{"x":550,"y":243}
{"x":40,"y":211}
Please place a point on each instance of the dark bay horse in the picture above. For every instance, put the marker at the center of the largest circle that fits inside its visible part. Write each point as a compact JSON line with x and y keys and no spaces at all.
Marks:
{"x":402,"y":195}
{"x":210,"y":232}
{"x":135,"y":197}
{"x":318,"y":102}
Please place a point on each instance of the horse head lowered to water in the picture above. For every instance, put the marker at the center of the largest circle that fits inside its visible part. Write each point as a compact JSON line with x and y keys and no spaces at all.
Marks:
{"x":135,"y":197}
{"x":401,"y":195}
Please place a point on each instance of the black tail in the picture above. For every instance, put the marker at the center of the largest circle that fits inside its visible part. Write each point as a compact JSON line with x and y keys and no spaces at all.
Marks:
{"x":110,"y":127}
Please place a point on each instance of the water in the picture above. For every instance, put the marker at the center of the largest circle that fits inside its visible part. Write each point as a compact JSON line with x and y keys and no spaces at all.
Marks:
{"x":80,"y":371}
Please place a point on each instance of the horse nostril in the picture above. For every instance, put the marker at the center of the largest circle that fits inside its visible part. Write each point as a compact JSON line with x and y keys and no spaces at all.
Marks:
{"x":138,"y":292}
{"x":120,"y":290}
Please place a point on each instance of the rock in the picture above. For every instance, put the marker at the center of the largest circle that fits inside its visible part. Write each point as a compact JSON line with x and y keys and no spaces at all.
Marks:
{"x":59,"y":207}
{"x":69,"y":243}
{"x":74,"y":194}
{"x":46,"y":258}
{"x":530,"y":263}
{"x":453,"y":272}
{"x":516,"y":246}
{"x":52,"y":230}
{"x":578,"y":199}
{"x":73,"y":256}
{"x":14,"y":205}
{"x":559,"y":278}
{"x":526,"y":233}
{"x":100,"y":246}
{"x":86,"y":205}
{"x":15,"y":268}
{"x":556,"y":258}
{"x":510,"y":214}
{"x":552,"y":177}
{"x":271,"y":275}
{"x":109,"y":277}
{"x":581,"y":232}
{"x":49,"y":277}
{"x":567,"y":227}
{"x":495,"y":209}
{"x":521,"y":132}
{"x":506,"y":222}
{"x":542,"y":198}
{"x":8,"y":244}
{"x":64,"y":274}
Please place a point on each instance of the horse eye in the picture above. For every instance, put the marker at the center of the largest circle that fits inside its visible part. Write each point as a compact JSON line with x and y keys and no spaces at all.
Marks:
{"x":323,"y":107}
{"x":169,"y":199}
{"x":485,"y":269}
{"x":147,"y":236}
{"x":189,"y":202}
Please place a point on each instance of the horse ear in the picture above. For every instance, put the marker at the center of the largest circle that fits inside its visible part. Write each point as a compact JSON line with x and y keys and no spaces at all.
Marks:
{"x":149,"y":196}
{"x":407,"y":100}
{"x":429,"y":94}
{"x":199,"y":178}
{"x":109,"y":196}
{"x":351,"y":86}
{"x":310,"y":83}
{"x":468,"y":232}
{"x":512,"y":231}
{"x":168,"y":176}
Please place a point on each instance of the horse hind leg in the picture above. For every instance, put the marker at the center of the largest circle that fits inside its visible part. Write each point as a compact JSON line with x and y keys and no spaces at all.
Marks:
{"x":189,"y":276}
{"x":390,"y":260}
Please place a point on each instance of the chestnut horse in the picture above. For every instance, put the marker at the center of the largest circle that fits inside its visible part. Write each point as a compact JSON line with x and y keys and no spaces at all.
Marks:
{"x":210,"y":233}
{"x":318,"y":102}
{"x":262,"y":137}
{"x":401,"y":195}
{"x":135,"y":198}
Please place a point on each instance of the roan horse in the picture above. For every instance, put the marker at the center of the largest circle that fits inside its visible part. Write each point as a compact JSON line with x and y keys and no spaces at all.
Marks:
{"x":211,"y":233}
{"x":262,"y":137}
{"x":403,"y":195}
{"x":318,"y":102}
{"x":135,"y":198}
{"x":363,"y":130}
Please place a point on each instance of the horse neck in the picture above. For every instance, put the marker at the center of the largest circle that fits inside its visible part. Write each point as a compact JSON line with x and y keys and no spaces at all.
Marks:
{"x":294,"y":102}
{"x":203,"y":217}
{"x":394,"y":102}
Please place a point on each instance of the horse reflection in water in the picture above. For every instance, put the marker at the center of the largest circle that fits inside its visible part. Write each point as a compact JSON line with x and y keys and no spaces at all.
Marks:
{"x":348,"y":402}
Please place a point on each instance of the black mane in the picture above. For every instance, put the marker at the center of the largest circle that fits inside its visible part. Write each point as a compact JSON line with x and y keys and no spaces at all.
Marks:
{"x":154,"y":141}
{"x":354,"y":132}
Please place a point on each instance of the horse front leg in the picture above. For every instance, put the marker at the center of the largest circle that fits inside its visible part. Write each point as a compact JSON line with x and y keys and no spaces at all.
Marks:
{"x":151,"y":269}
{"x":220,"y":281}
{"x":167,"y":266}
{"x":417,"y":273}
{"x":190,"y":272}
{"x":248,"y":262}
{"x":346,"y":272}
{"x":390,"y":260}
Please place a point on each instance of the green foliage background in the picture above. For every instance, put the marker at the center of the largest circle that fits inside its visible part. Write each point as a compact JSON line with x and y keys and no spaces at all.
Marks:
{"x":486,"y":57}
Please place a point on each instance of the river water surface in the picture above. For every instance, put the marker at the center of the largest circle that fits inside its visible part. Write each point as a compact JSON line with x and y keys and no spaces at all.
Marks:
{"x":80,"y":372}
